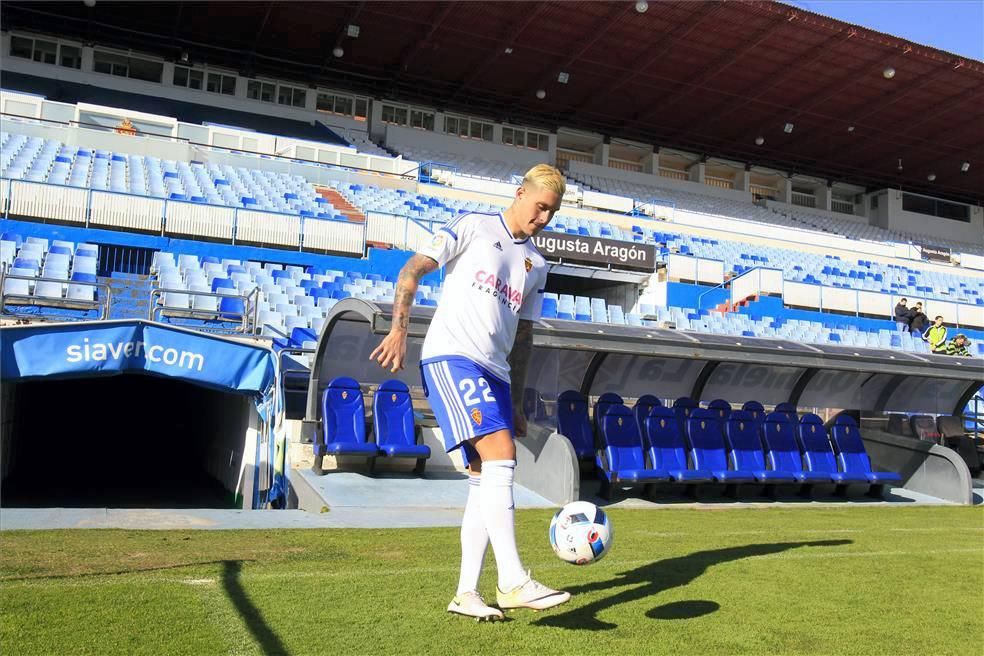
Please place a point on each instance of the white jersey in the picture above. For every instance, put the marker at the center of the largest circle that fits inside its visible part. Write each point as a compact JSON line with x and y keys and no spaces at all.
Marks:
{"x":491,"y":282}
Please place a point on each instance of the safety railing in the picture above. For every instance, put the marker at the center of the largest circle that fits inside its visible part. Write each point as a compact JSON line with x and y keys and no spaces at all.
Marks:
{"x":171,"y":217}
{"x":246,"y":319}
{"x":102,"y":300}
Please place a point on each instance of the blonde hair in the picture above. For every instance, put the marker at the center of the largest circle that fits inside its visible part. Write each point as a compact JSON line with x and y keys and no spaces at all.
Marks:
{"x":544,"y":176}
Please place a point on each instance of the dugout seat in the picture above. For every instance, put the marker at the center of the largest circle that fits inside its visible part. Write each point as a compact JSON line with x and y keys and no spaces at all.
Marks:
{"x":898,"y":424}
{"x":707,"y":448}
{"x":789,"y":410}
{"x":684,"y":407}
{"x":953,"y":435}
{"x":741,"y":433}
{"x":393,"y":425}
{"x":643,"y":406}
{"x":604,"y":402}
{"x":721,"y":408}
{"x":667,"y":449}
{"x":343,"y":418}
{"x":851,"y":454}
{"x":783,"y":452}
{"x":756,"y":408}
{"x":819,"y":456}
{"x":621,"y":459}
{"x":573,"y":423}
{"x":924,"y":427}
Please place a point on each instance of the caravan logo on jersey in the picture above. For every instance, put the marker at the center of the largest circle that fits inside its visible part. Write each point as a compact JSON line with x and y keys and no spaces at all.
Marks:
{"x":490,"y":283}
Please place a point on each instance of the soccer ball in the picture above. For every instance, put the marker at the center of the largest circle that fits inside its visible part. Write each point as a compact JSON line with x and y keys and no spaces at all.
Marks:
{"x":580,"y":533}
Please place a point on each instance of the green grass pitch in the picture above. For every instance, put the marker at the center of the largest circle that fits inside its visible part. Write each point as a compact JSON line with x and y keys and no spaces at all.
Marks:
{"x":773,"y":580}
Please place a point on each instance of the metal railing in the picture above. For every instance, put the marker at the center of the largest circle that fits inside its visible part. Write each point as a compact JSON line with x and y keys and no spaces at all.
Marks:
{"x":246,"y":319}
{"x":723,"y":285}
{"x":103,"y":300}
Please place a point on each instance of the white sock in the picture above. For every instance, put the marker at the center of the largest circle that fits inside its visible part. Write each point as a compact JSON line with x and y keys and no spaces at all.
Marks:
{"x":474,"y":538}
{"x":498,"y":511}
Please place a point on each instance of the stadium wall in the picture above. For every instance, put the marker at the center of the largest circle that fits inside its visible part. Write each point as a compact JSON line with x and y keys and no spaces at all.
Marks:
{"x":932,"y":226}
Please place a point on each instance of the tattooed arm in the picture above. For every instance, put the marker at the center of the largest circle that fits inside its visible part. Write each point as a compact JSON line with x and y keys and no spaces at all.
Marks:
{"x":392,"y":351}
{"x":519,"y":359}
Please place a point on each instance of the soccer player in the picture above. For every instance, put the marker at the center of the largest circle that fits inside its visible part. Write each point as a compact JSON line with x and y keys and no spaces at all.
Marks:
{"x":473,"y":365}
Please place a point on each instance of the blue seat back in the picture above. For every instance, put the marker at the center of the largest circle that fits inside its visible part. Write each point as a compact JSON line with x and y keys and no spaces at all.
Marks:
{"x":231,"y":305}
{"x":643,"y":406}
{"x":706,"y":441}
{"x":816,"y":447}
{"x":684,"y":407}
{"x":741,"y":432}
{"x":392,"y":411}
{"x":604,"y":402}
{"x":756,"y":408}
{"x":851,"y":454}
{"x":667,"y":449}
{"x":620,"y":436}
{"x":343,"y":412}
{"x":780,"y":443}
{"x":721,"y":408}
{"x":572,"y":419}
{"x":789,"y":410}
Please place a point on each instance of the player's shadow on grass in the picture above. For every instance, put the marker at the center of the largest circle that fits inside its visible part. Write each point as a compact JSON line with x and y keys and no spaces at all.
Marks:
{"x":649,"y":580}
{"x":268,"y":640}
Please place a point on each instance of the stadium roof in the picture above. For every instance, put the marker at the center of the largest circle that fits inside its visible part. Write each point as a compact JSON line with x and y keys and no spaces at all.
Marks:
{"x":707,"y":77}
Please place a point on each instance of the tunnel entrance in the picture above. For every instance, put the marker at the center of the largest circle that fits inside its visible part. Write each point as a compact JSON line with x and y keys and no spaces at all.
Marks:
{"x":126,"y":441}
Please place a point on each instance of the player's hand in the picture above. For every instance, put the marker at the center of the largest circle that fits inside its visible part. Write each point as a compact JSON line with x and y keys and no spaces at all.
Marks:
{"x":519,"y":422}
{"x":392,"y":351}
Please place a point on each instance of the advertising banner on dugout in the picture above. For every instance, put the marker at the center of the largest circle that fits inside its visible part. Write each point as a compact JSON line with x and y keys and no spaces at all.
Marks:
{"x":101,"y":348}
{"x":596,"y":251}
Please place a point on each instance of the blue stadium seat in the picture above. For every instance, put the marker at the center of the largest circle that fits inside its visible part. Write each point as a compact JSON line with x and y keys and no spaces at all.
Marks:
{"x":393,"y":425}
{"x":784,"y":454}
{"x":573,"y":423}
{"x":622,"y":461}
{"x":343,"y":417}
{"x":819,"y":457}
{"x":707,"y":448}
{"x":721,"y":408}
{"x":756,"y":408}
{"x":741,"y":432}
{"x":851,"y":454}
{"x":643,"y":406}
{"x":667,"y":450}
{"x":684,"y":407}
{"x":789,"y":410}
{"x":604,"y":402}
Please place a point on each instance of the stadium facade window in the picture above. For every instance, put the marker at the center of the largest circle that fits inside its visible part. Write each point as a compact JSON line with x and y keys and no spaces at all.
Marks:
{"x":525,"y":139}
{"x":188,"y":77}
{"x":45,"y":52}
{"x":291,"y":96}
{"x":70,"y":57}
{"x":935,"y":207}
{"x":332,"y":103}
{"x":219,"y":83}
{"x":262,"y":91}
{"x":468,"y":128}
{"x":123,"y":66}
{"x":421,"y":119}
{"x":395,"y":115}
{"x":21,"y":47}
{"x":361,"y":109}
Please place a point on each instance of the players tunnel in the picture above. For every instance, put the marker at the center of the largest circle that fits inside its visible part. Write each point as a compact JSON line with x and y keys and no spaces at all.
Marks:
{"x":133,"y":414}
{"x":631,"y":361}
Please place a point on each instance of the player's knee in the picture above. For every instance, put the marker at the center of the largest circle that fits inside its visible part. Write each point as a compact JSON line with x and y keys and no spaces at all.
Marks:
{"x":496,"y":446}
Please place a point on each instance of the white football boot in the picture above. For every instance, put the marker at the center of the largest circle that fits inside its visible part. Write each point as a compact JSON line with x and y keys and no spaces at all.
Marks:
{"x":531,"y":594}
{"x":471,"y":604}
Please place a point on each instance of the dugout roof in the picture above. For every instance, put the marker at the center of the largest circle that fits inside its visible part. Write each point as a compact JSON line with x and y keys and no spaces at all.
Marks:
{"x":708,"y":77}
{"x":632,"y":361}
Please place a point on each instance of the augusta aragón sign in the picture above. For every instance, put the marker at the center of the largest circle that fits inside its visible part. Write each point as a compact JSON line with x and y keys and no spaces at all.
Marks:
{"x":596,"y":251}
